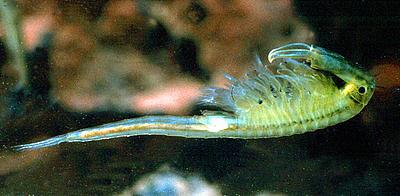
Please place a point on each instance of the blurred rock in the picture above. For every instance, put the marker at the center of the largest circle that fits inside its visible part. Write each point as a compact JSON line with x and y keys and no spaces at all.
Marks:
{"x":229,"y":33}
{"x":165,"y":181}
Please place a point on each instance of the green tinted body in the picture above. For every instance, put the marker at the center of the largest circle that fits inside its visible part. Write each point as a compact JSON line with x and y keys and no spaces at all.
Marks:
{"x":292,"y":94}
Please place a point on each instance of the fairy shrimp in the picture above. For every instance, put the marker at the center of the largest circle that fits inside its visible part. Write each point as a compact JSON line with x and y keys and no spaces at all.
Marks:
{"x":294,"y":93}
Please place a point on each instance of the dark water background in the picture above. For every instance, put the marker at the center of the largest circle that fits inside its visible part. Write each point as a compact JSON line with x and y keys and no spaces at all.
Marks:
{"x":360,"y":156}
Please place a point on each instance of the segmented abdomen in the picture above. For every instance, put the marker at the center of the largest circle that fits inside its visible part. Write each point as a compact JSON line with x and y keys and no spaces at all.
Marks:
{"x":288,"y":119}
{"x":285,"y":99}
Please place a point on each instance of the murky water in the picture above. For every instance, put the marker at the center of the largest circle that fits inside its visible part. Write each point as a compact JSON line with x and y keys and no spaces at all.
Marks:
{"x":94,"y":62}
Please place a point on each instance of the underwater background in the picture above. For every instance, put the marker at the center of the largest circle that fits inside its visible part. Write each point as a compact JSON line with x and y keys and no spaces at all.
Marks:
{"x":93,"y":62}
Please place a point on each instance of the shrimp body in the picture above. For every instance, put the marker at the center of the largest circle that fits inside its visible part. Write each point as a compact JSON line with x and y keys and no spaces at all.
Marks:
{"x":293,"y":94}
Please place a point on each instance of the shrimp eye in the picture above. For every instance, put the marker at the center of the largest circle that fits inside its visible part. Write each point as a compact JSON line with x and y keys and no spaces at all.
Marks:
{"x":361,"y":90}
{"x":196,"y":13}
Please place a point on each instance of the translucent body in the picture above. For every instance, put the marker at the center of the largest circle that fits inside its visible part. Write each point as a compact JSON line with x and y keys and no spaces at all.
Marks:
{"x":293,"y":94}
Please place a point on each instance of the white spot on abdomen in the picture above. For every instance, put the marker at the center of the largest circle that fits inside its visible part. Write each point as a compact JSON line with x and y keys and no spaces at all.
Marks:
{"x":216,"y":124}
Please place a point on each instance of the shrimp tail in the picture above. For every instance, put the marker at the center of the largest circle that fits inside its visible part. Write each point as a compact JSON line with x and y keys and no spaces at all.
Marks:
{"x":206,"y":126}
{"x":42,"y":144}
